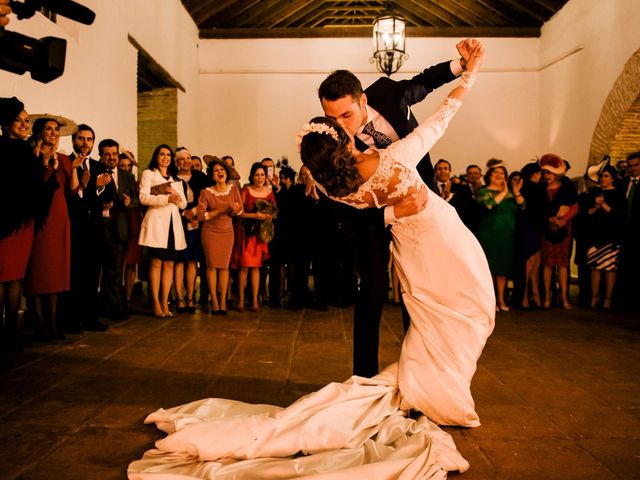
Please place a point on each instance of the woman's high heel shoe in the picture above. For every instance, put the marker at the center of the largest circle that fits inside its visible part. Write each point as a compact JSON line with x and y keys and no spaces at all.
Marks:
{"x":191,"y":305}
{"x":595,"y":300}
{"x":606,"y":305}
{"x":181,"y":306}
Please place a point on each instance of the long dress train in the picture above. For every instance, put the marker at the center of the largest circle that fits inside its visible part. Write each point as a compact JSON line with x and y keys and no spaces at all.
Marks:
{"x":362,"y":427}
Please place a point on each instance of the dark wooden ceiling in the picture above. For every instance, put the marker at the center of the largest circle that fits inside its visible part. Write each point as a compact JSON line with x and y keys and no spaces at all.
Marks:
{"x":354,"y":18}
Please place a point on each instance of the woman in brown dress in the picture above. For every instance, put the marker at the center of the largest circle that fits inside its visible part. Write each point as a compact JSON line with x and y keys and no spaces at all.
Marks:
{"x":216,"y":207}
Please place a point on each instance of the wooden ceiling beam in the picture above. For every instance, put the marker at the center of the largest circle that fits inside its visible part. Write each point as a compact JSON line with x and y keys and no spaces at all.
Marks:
{"x":460,"y":13}
{"x":512,"y":17}
{"x":293,"y":10}
{"x":435,"y":10}
{"x":227,"y":16}
{"x":416,"y":15}
{"x":208,"y":8}
{"x":529,"y":8}
{"x":365,"y":32}
{"x":293,"y":20}
{"x":480,"y":14}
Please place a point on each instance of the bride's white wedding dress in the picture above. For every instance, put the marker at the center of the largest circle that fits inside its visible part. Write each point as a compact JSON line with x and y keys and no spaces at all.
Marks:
{"x":361,"y":428}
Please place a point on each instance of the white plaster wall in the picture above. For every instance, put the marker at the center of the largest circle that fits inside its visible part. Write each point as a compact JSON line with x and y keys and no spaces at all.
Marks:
{"x":256,"y":94}
{"x":99,"y":83}
{"x":573,"y":91}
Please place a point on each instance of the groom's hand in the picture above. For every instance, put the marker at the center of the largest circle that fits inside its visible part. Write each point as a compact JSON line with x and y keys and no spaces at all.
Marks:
{"x":412,"y":204}
{"x":465,"y":47}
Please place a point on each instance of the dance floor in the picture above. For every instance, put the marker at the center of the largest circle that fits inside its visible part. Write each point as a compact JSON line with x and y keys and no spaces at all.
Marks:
{"x":558,"y":392}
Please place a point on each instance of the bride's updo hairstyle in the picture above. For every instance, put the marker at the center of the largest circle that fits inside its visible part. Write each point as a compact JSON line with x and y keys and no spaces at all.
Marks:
{"x":325,"y":150}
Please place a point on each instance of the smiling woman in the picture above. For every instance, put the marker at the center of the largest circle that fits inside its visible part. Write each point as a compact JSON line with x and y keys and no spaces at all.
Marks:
{"x":161,"y":231}
{"x":50,"y":267}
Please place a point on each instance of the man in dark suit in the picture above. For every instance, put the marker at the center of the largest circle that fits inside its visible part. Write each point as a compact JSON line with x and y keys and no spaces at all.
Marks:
{"x":376,"y":117}
{"x":115,"y":195}
{"x":630,"y":259}
{"x":458,"y":196}
{"x":80,"y":304}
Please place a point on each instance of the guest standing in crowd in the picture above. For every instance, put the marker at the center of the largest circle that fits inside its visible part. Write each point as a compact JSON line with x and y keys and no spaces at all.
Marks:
{"x":161,"y":231}
{"x":116,"y":195}
{"x":196,"y":163}
{"x":193,"y":183}
{"x":24,"y":205}
{"x":605,"y":216}
{"x":559,"y":206}
{"x":133,"y":252}
{"x":527,"y":238}
{"x":631,"y":244}
{"x":249,"y":250}
{"x":217,"y":205}
{"x":497,"y":226}
{"x":49,"y":271}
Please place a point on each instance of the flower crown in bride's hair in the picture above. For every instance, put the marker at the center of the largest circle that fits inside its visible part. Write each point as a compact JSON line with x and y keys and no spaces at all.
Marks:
{"x":316,"y":128}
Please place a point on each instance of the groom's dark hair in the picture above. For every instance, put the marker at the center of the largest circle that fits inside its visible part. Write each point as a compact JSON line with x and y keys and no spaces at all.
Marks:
{"x":340,"y":84}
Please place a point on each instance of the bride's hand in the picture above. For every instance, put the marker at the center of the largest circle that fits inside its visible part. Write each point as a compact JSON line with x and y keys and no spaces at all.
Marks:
{"x":476,"y":58}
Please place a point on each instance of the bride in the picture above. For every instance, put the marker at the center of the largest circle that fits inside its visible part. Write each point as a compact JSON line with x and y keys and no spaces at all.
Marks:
{"x":385,"y":427}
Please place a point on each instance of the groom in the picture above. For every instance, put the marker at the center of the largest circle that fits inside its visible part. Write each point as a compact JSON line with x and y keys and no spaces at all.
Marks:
{"x":377,"y":117}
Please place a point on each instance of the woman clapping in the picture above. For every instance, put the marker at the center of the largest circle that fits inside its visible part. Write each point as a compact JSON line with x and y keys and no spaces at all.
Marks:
{"x":216,"y":207}
{"x":161,"y":229}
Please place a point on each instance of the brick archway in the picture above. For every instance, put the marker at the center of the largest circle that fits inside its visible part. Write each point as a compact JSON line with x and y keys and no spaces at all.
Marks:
{"x":617,"y":132}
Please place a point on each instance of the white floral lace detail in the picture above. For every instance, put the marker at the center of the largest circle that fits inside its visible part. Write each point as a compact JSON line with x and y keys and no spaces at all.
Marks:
{"x":220,"y":194}
{"x":447,"y":109}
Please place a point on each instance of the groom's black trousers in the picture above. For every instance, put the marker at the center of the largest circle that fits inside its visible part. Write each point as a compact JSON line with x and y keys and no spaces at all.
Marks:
{"x":372,"y":261}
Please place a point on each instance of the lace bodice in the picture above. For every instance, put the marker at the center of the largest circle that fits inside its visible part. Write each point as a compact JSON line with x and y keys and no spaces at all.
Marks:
{"x":396,"y":174}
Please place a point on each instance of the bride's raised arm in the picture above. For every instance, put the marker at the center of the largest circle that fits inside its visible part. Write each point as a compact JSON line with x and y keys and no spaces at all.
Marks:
{"x":411,"y":149}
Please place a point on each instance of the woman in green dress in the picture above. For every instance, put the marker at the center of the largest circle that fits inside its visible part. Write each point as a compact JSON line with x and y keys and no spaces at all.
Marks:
{"x":497,"y":226}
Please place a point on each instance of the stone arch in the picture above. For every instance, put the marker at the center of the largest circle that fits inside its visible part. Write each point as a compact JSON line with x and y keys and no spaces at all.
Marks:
{"x":617,"y":132}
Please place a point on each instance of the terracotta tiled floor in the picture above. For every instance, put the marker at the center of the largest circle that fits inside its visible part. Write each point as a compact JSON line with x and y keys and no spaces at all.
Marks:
{"x":558,"y":393}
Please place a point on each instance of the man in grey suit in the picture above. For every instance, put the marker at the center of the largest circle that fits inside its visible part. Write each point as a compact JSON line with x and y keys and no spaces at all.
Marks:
{"x":115,"y":195}
{"x":376,"y":117}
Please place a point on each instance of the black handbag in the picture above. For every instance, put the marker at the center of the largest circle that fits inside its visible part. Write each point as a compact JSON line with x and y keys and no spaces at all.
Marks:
{"x":251,"y":227}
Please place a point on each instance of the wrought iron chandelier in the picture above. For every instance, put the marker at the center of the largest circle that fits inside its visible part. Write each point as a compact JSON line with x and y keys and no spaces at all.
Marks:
{"x":388,"y":42}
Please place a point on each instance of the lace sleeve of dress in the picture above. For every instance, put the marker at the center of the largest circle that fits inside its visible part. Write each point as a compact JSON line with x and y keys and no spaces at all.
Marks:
{"x":410,"y":150}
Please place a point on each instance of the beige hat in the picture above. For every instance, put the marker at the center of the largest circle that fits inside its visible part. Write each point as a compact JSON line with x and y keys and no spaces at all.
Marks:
{"x":231,"y":172}
{"x":67,"y":126}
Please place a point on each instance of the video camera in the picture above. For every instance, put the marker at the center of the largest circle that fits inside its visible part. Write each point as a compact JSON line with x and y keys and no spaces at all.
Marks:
{"x":44,"y":58}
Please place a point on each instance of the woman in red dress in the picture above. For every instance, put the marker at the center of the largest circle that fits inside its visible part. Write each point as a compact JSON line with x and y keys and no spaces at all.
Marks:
{"x":24,"y":201}
{"x":50,"y":265}
{"x":250,"y":251}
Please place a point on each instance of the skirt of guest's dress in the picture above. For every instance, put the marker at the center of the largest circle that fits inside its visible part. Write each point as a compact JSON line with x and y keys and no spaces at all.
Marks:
{"x":169,"y":254}
{"x":604,"y":257}
{"x":217,"y":246}
{"x":14,"y":253}
{"x":49,"y":268}
{"x":557,"y":254}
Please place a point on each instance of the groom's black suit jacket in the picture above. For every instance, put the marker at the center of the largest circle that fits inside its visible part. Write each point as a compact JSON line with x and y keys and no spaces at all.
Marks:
{"x":392,"y":99}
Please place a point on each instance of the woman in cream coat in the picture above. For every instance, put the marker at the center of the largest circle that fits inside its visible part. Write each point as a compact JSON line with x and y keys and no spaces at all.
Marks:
{"x":161,"y":231}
